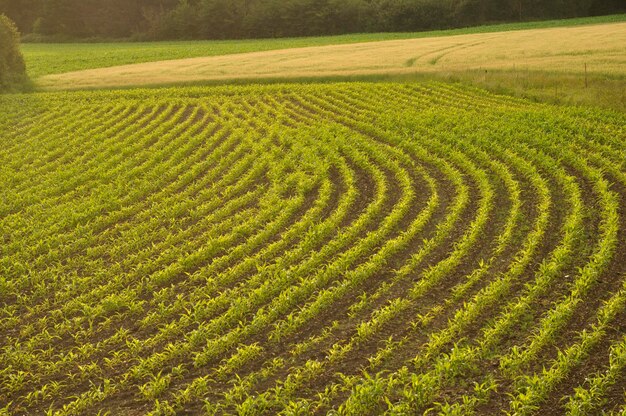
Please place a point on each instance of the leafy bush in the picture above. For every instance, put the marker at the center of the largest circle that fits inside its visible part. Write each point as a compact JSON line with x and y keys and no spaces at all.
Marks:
{"x":12,"y":66}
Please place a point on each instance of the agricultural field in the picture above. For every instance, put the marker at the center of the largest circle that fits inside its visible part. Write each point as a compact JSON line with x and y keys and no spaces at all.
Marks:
{"x":571,"y":62}
{"x":345,"y":248}
{"x":56,"y":58}
{"x":601,"y":48}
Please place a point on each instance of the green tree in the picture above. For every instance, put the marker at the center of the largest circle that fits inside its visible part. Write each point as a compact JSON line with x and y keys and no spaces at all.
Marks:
{"x":22,"y":12}
{"x":62,"y":17}
{"x":12,"y":67}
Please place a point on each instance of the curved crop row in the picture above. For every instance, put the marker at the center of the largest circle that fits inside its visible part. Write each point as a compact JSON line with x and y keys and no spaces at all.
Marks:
{"x":307,"y":249}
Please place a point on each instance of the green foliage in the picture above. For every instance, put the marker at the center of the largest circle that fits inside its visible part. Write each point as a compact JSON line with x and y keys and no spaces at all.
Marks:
{"x":235,"y":19}
{"x":12,"y":67}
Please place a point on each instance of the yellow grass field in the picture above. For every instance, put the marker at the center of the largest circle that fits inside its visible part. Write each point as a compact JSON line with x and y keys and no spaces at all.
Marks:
{"x":601,"y":48}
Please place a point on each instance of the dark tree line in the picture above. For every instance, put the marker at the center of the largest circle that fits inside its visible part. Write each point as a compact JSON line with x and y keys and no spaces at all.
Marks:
{"x":231,"y":19}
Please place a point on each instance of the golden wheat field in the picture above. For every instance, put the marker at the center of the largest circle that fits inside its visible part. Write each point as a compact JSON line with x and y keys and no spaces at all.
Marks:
{"x":602,"y":48}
